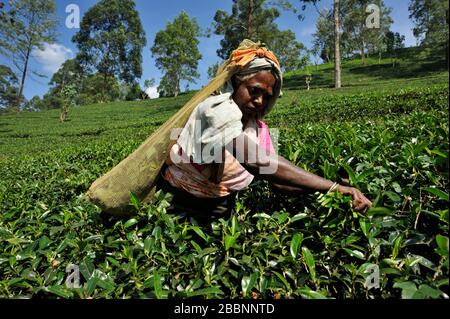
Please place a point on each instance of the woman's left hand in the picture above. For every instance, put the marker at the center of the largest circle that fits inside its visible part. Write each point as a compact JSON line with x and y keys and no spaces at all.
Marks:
{"x":360,"y":202}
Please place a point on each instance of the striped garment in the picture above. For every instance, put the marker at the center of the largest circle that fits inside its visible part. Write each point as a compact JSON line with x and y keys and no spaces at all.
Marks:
{"x":194,"y":178}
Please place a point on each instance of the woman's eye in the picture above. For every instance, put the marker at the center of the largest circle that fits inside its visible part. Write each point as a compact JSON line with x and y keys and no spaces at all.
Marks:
{"x":254,"y":91}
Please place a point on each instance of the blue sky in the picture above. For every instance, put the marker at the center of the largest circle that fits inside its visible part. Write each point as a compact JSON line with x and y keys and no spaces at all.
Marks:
{"x":154,"y":17}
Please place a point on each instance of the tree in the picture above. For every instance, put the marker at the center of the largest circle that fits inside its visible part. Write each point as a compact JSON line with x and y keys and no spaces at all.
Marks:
{"x":212,"y":70}
{"x":6,"y":18}
{"x":249,"y":19}
{"x":337,"y":38}
{"x":176,"y":52}
{"x":92,"y":89}
{"x":291,"y":54}
{"x":148,"y":83}
{"x":323,"y":43}
{"x":67,"y":94}
{"x":110,"y":41}
{"x":9,"y":87}
{"x":431,"y":24}
{"x":255,"y":20}
{"x":357,"y":34}
{"x":34,"y":104}
{"x":337,"y":48}
{"x":34,"y":23}
{"x":394,"y":42}
{"x":134,"y":93}
{"x":69,"y":73}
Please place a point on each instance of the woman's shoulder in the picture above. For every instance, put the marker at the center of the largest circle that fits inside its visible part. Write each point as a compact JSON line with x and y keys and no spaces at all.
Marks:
{"x":215,"y":100}
{"x":219,"y":108}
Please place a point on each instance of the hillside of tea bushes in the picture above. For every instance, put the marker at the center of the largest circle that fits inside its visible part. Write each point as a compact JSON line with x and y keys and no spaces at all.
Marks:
{"x":389,"y":135}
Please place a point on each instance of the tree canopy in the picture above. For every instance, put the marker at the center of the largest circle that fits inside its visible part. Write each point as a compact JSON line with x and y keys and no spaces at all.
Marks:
{"x":26,"y":26}
{"x":431,"y":23}
{"x":110,"y":40}
{"x":255,"y":20}
{"x":9,"y":87}
{"x":176,"y":52}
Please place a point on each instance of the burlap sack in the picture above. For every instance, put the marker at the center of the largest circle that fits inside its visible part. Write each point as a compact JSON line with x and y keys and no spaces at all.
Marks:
{"x":138,"y":172}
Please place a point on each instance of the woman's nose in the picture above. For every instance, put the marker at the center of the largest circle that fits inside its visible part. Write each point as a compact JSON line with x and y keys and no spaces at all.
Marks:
{"x":259,"y":101}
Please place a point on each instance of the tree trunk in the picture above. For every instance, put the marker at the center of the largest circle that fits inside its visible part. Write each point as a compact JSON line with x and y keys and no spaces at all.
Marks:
{"x":104,"y":88}
{"x":177,"y":86}
{"x":24,"y":75}
{"x":363,"y":60}
{"x":250,"y":19}
{"x":337,"y":50}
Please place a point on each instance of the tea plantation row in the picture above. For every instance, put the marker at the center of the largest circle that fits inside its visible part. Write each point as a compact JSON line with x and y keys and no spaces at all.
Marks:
{"x":393,"y":146}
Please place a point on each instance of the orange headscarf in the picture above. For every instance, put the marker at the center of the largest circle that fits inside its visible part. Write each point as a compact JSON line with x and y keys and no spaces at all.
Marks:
{"x":242,"y":57}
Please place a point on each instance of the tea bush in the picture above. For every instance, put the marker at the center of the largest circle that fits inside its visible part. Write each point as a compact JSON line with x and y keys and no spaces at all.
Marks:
{"x":392,"y":145}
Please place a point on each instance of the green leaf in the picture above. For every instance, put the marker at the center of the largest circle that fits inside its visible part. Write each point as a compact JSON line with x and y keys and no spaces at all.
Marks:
{"x":157,"y":232}
{"x":397,"y":245}
{"x":148,"y":244}
{"x":442,"y":195}
{"x":310,"y":263}
{"x":355,"y":253}
{"x":60,"y":291}
{"x":44,"y":242}
{"x":408,"y":289}
{"x":113,"y":261}
{"x":298,"y":217}
{"x":91,"y":284}
{"x":425,"y":292}
{"x":396,"y":187}
{"x":311,"y":294}
{"x":261,"y":215}
{"x":87,"y":268}
{"x":199,"y":232}
{"x":93,"y":238}
{"x":157,"y":285}
{"x":378,"y":211}
{"x":365,"y":226}
{"x":230,"y":240}
{"x":351,"y":174}
{"x":393,"y":196}
{"x":248,"y":282}
{"x":135,"y":200}
{"x":295,"y":244}
{"x":205,"y":291}
{"x":442,"y":242}
{"x":283,"y":280}
{"x":196,"y":247}
{"x":130,"y":222}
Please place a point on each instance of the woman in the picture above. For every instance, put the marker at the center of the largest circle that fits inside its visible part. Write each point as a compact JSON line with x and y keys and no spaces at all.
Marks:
{"x":225,"y":143}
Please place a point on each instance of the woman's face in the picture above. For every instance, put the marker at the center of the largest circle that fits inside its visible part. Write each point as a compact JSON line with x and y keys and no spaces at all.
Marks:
{"x":252,"y":96}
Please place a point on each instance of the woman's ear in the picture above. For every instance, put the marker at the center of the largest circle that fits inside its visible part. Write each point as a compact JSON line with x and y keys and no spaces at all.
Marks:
{"x":235,"y":82}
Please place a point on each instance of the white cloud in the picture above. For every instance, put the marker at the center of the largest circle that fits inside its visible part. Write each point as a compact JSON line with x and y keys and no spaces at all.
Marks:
{"x":152,"y":92}
{"x":52,"y":56}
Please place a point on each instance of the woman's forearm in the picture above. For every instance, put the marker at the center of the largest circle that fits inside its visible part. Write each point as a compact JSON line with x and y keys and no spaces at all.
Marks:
{"x":289,"y":176}
{"x":282,"y":172}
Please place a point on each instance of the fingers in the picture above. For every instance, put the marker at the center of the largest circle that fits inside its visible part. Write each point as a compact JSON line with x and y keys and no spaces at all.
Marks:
{"x":360,"y":202}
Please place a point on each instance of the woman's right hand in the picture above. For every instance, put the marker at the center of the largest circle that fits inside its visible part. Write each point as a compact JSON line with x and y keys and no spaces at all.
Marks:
{"x":360,"y":202}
